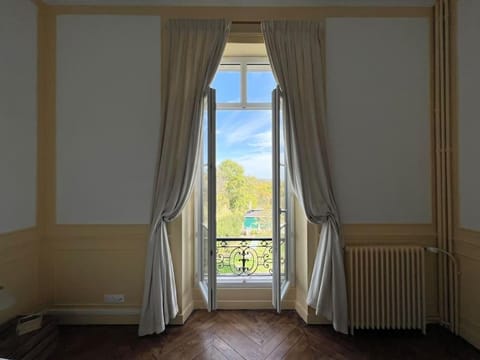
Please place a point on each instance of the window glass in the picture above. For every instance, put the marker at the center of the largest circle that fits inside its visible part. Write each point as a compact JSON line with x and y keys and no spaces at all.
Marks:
{"x":227,"y":83}
{"x":244,"y":173}
{"x":260,"y":83}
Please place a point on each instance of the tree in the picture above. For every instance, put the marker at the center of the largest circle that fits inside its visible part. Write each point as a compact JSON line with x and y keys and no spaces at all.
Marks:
{"x":237,"y":193}
{"x":235,"y":185}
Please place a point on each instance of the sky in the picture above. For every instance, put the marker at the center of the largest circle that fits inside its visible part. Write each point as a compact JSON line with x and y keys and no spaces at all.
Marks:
{"x":245,"y":136}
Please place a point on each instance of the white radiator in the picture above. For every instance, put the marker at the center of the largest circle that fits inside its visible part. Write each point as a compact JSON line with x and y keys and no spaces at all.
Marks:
{"x":386,"y":286}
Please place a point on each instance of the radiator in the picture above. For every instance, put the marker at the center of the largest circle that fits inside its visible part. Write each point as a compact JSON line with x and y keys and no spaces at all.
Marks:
{"x":386,"y":287}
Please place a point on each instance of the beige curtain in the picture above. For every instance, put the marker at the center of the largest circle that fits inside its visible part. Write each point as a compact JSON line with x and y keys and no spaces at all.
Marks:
{"x":296,"y":52}
{"x":192,"y":50}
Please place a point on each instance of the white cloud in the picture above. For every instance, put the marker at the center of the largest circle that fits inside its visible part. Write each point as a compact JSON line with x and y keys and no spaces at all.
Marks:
{"x":257,"y":164}
{"x":240,"y":126}
{"x":262,"y":141}
{"x":241,"y":133}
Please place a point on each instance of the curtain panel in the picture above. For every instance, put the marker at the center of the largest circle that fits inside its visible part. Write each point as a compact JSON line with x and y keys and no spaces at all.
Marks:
{"x":296,"y":53}
{"x":191,"y":53}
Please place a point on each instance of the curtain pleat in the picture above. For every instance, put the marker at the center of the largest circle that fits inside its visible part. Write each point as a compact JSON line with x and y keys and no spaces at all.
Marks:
{"x":191,"y":53}
{"x":296,"y":52}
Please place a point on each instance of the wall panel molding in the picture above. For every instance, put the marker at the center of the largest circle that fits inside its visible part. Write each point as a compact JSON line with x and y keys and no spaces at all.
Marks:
{"x":467,"y":249}
{"x":18,"y":245}
{"x":390,"y":234}
{"x":471,"y":236}
{"x":17,"y":238}
{"x":97,"y":237}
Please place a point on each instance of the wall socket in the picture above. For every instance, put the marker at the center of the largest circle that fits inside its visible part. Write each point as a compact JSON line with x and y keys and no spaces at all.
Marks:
{"x":114,"y":298}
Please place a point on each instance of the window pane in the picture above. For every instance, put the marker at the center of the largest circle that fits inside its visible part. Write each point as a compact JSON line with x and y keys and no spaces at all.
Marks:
{"x":283,"y":247}
{"x":227,"y":84}
{"x":281,"y":126}
{"x":260,"y":84}
{"x":204,"y":189}
{"x":283,"y":187}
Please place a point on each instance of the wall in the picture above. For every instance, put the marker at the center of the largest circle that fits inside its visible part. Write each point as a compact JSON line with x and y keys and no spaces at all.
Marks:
{"x":467,"y":209}
{"x":378,"y":93}
{"x":379,"y":125}
{"x":18,"y":114}
{"x":18,"y":236}
{"x":93,"y":170}
{"x":108,"y":108}
{"x":107,"y":121}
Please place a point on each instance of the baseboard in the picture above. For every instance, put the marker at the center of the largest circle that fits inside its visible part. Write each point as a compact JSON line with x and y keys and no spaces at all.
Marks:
{"x":310,"y":318}
{"x":107,"y":316}
{"x":96,"y":316}
{"x":182,"y":317}
{"x":131,"y":315}
{"x":470,"y":331}
{"x":302,"y":311}
{"x":433,"y":319}
{"x":314,"y":319}
{"x":308,"y":315}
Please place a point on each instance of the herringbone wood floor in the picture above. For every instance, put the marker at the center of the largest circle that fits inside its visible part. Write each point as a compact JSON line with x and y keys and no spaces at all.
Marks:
{"x":256,"y":335}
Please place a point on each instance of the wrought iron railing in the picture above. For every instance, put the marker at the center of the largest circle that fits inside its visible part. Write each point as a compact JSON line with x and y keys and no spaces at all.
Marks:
{"x":244,"y":257}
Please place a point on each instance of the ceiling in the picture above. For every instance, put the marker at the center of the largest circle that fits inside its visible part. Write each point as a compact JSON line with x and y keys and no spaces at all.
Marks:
{"x":247,"y":2}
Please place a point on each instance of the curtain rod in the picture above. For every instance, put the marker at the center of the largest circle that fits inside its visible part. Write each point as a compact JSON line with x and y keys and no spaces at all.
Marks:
{"x":246,"y":22}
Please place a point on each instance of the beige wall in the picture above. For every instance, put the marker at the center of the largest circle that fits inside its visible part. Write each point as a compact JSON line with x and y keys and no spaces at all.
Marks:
{"x":467,"y":175}
{"x":19,"y":261}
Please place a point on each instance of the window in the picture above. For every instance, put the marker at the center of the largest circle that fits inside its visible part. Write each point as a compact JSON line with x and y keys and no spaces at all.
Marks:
{"x":241,"y":137}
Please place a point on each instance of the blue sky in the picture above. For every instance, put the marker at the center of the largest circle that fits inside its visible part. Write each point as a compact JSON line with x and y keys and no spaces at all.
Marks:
{"x":245,"y":136}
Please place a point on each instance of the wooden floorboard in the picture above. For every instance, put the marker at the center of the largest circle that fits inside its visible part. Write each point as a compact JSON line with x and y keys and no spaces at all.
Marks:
{"x":236,"y":335}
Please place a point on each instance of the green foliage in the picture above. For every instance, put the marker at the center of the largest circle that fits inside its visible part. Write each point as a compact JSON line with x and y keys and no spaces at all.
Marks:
{"x":236,"y":194}
{"x":229,"y":225}
{"x":236,"y":189}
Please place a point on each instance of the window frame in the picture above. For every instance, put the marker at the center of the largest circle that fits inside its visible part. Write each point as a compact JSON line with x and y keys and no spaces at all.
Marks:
{"x":243,"y":62}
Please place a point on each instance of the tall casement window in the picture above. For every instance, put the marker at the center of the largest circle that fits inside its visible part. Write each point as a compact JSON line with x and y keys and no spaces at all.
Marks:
{"x":243,"y":203}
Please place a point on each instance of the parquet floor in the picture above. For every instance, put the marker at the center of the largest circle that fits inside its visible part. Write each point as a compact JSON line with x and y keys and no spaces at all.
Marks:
{"x":256,"y":335}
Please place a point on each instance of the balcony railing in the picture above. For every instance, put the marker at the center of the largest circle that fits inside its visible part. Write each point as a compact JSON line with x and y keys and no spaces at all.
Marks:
{"x":244,"y":257}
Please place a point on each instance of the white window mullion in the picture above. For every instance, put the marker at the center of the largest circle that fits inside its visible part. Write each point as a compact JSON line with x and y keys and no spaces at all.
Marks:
{"x":243,"y":84}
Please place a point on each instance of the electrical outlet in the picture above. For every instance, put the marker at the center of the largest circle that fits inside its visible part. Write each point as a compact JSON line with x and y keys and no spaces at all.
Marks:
{"x":113,"y":298}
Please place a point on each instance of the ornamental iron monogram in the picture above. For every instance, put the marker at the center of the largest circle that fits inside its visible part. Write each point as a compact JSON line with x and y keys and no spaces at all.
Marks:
{"x":245,"y":257}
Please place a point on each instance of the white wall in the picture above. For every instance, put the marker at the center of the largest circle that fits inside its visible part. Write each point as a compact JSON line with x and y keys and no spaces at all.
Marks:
{"x":378,"y":98}
{"x":18,"y":114}
{"x":469,"y":112}
{"x":108,"y":111}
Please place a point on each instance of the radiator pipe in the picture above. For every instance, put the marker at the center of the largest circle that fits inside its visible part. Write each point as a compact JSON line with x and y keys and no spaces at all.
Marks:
{"x":436,"y":250}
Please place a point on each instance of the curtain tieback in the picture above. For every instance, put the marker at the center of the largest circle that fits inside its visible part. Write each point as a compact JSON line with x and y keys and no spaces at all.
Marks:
{"x":328,"y":217}
{"x":161,"y":221}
